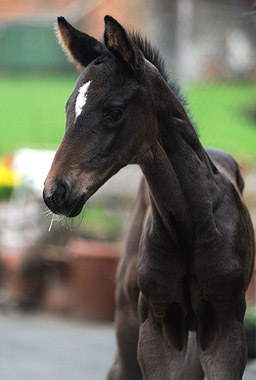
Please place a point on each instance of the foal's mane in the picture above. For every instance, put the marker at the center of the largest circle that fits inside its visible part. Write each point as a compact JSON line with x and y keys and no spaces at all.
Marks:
{"x":153,"y":55}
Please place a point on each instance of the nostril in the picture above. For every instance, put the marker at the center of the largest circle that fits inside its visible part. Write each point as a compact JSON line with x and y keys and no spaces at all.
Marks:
{"x":61,"y":191}
{"x":55,"y":197}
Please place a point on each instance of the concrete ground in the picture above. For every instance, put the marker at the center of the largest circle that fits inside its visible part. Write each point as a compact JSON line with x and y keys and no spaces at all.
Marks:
{"x":43,"y":347}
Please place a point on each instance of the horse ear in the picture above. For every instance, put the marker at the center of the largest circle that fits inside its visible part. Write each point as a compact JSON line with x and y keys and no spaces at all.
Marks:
{"x":118,"y":42}
{"x":80,"y":47}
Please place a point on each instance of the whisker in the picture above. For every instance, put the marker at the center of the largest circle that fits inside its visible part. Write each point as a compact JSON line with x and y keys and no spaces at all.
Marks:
{"x":66,"y":223}
{"x":46,"y":212}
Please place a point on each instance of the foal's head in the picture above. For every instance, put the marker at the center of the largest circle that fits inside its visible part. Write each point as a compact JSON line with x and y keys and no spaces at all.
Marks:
{"x":110,"y":115}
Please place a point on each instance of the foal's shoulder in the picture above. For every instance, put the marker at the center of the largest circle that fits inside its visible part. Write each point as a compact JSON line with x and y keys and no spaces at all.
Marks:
{"x":228,"y":166}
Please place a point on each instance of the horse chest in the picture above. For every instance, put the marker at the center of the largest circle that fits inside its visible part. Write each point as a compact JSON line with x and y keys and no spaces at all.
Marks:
{"x":168,"y":273}
{"x":162,"y":267}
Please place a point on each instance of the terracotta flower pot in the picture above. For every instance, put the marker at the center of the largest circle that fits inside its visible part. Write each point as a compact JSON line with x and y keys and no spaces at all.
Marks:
{"x":93,"y":277}
{"x":11,"y":282}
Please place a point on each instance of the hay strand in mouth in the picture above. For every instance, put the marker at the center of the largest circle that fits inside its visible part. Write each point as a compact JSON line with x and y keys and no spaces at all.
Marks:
{"x":53,"y":216}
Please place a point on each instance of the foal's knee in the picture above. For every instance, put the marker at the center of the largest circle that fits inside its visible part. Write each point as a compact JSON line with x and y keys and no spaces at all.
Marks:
{"x":216,"y":319}
{"x":169,"y":319}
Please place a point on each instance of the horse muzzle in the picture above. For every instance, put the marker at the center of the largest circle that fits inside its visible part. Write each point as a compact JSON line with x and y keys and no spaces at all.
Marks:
{"x":61,"y":200}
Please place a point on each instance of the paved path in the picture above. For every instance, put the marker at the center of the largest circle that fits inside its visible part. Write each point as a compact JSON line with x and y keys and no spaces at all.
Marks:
{"x":41,"y":347}
{"x":48,"y":348}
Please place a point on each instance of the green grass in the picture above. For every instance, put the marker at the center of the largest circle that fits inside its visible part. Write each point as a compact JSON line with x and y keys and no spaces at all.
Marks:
{"x":221,"y":112}
{"x":32,"y":113}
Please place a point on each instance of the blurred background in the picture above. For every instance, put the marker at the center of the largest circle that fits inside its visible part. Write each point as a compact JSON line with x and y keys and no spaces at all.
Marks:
{"x":209,"y":46}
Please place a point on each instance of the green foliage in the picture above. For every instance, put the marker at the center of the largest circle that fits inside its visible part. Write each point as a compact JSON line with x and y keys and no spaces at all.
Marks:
{"x":5,"y":192}
{"x":97,"y":222}
{"x":32,"y":113}
{"x":250,"y":317}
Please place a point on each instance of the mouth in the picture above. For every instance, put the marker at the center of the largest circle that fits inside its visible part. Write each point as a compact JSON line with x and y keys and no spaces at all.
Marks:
{"x":69,"y":208}
{"x":76,"y":207}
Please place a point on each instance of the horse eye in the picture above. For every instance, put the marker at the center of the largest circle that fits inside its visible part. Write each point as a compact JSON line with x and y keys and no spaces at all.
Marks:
{"x":115,"y":114}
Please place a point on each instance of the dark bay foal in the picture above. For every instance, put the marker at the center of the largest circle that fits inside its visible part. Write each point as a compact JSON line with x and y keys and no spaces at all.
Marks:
{"x":190,"y":249}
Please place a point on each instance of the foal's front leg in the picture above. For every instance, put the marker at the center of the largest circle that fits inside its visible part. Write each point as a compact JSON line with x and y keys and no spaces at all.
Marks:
{"x":162,"y":344}
{"x":162,"y":306}
{"x":222,"y":342}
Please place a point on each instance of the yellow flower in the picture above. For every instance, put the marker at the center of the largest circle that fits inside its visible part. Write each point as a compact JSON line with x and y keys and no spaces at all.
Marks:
{"x":8,"y":176}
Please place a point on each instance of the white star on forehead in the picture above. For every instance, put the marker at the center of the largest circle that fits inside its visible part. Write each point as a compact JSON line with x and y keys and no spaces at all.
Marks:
{"x":81,"y":98}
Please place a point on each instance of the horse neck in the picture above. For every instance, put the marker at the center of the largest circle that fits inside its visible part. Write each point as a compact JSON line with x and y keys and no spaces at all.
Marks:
{"x":180,"y":176}
{"x":169,"y":206}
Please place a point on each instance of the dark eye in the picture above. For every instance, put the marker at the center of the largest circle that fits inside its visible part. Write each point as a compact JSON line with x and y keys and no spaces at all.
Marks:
{"x":115,"y":114}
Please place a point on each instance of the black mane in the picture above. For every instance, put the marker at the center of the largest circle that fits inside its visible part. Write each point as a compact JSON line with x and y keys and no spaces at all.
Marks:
{"x":153,"y":55}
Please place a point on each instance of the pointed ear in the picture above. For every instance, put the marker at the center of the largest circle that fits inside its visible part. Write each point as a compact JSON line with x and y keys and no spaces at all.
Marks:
{"x":80,"y":47}
{"x":118,"y":42}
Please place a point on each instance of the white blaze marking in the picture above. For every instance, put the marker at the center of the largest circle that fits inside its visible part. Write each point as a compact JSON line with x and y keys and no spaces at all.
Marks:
{"x":81,"y":98}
